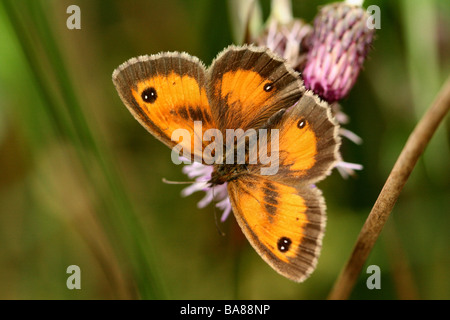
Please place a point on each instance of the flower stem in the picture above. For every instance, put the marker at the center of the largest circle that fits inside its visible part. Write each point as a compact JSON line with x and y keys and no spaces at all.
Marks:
{"x":371,"y":229}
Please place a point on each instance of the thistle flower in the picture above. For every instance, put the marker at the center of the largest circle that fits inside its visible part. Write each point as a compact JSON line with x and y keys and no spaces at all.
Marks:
{"x":202,"y":174}
{"x":328,"y":56}
{"x":339,"y":45}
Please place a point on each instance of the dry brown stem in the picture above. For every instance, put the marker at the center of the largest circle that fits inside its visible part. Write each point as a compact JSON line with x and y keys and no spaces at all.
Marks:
{"x":403,"y":167}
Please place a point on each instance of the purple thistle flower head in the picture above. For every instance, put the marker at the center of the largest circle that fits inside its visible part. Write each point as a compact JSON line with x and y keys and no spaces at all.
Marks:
{"x":339,"y":45}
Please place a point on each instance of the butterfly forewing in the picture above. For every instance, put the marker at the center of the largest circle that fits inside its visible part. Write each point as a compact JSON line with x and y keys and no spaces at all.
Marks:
{"x":166,"y":92}
{"x":247,"y":85}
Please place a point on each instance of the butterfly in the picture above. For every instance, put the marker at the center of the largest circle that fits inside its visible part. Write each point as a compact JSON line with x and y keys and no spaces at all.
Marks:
{"x":249,"y":88}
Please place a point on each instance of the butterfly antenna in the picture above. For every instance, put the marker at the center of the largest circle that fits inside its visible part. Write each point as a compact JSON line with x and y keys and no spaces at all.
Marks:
{"x":177,"y":182}
{"x":215,"y":217}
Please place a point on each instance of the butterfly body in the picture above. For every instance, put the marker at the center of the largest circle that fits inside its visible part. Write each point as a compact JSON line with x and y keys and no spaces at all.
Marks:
{"x":251,"y":91}
{"x":223,"y":173}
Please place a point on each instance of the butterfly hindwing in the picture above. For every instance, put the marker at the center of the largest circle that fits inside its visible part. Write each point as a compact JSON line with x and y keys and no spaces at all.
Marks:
{"x":248,"y":84}
{"x":284,"y":224}
{"x":166,"y":92}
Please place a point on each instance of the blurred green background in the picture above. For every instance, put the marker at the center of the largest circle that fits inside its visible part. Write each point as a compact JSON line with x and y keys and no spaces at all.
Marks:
{"x":80,"y":179}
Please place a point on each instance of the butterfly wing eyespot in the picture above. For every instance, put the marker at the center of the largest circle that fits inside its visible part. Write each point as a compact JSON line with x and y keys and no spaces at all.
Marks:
{"x":284,"y":224}
{"x":301,"y":123}
{"x":149,"y":95}
{"x":283,"y":244}
{"x":268,"y":87}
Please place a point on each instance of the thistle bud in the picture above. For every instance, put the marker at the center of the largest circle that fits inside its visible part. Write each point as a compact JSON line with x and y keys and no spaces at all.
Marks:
{"x":339,"y":45}
{"x":289,"y":41}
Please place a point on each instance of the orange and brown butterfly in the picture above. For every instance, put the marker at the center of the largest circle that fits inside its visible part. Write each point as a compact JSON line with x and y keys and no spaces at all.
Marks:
{"x":246,"y":87}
